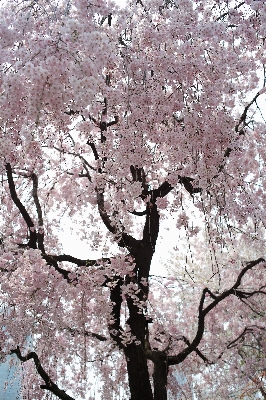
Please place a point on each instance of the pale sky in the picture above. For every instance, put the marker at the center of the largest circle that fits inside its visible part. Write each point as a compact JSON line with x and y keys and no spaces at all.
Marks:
{"x":168,"y":238}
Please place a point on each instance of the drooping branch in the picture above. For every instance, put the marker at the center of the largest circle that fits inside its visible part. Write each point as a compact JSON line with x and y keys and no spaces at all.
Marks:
{"x":172,"y":360}
{"x":252,"y":308}
{"x":245,"y":295}
{"x":49,"y":384}
{"x":32,"y":232}
{"x":51,"y":260}
{"x":94,"y":150}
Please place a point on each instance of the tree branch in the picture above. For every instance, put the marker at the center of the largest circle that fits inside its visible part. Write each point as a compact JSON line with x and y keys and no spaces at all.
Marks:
{"x":94,"y":150}
{"x":242,"y":119}
{"x":244,"y":115}
{"x":77,"y":261}
{"x":227,"y":12}
{"x":49,"y":384}
{"x":172,"y":360}
{"x":32,"y":232}
{"x":139,"y":213}
{"x":40,"y":234}
{"x":126,"y":240}
{"x":186,"y":182}
{"x":114,"y":122}
{"x":74,"y":332}
{"x":162,"y":191}
{"x":85,"y":162}
{"x":103,"y":214}
{"x":240,"y":337}
{"x":52,"y":261}
{"x":197,"y":351}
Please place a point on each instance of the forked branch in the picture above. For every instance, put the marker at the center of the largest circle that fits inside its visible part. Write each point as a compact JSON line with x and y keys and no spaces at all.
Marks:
{"x":172,"y":360}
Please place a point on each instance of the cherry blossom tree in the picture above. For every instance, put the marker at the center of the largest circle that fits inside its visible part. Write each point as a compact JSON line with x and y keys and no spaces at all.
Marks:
{"x":117,"y":119}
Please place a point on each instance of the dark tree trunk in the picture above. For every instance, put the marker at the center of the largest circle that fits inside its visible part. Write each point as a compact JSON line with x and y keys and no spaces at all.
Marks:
{"x":138,"y":374}
{"x":160,"y":377}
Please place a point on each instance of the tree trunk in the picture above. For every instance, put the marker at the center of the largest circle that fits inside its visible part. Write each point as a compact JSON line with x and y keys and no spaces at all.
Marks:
{"x":160,"y":378}
{"x":138,"y":374}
